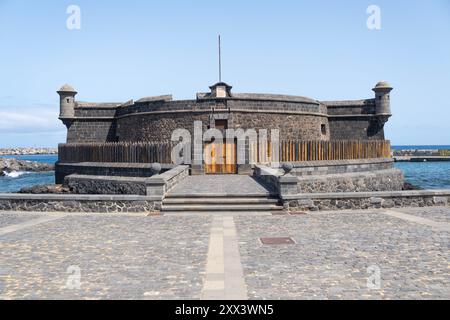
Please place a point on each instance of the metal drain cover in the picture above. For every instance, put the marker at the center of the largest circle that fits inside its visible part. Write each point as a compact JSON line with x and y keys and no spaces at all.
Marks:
{"x":277,"y":240}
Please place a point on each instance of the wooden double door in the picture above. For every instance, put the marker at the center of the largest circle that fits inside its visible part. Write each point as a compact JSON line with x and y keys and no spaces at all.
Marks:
{"x":220,"y":158}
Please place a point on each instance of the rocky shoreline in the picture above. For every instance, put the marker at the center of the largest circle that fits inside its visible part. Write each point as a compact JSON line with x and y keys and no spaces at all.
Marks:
{"x":46,"y":189}
{"x":8,"y":166}
{"x":27,"y":151}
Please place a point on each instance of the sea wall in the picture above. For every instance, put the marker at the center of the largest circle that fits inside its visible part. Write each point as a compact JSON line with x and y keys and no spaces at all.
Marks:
{"x":313,"y":168}
{"x":77,"y":203}
{"x":106,"y":169}
{"x":155,"y":188}
{"x":366,"y":200}
{"x":333,"y":176}
{"x":381,"y":180}
{"x":87,"y":184}
{"x":294,"y":202}
{"x":156,"y":185}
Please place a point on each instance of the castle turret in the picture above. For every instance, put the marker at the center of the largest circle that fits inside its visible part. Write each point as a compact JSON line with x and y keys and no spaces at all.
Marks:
{"x":382,"y":99}
{"x":221,"y":90}
{"x":66,"y":102}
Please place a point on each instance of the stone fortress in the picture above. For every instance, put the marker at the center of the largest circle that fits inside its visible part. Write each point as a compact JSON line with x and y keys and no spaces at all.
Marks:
{"x":154,"y":118}
{"x":326,"y":146}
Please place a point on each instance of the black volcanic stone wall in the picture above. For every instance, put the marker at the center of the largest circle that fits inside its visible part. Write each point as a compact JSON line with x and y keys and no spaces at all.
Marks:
{"x":355,"y":129}
{"x":292,"y":126}
{"x":105,"y":169}
{"x":95,"y":112}
{"x":155,"y":121}
{"x":91,"y":131}
{"x":157,"y":127}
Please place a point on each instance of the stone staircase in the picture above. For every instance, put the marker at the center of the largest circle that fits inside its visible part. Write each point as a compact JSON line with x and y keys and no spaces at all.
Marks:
{"x":220,"y":202}
{"x":216,"y":193}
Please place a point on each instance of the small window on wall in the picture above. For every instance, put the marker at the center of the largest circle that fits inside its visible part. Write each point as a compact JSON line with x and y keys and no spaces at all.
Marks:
{"x":68,"y":100}
{"x":221,"y":124}
{"x":323,"y":128}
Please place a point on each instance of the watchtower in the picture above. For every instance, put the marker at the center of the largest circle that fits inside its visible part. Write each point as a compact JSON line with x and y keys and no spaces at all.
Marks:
{"x":66,"y":102}
{"x":382,"y":99}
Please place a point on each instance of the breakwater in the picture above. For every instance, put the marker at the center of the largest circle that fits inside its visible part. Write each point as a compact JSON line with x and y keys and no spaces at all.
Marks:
{"x":421,"y":155}
{"x":27,"y":151}
{"x":420,"y":158}
{"x":11,"y":165}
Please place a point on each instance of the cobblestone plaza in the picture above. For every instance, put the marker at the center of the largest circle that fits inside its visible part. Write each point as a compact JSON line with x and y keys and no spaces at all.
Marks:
{"x":371,"y":254}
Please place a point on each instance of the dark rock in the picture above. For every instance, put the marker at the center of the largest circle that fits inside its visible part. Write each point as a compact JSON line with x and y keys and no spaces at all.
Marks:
{"x":42,"y":189}
{"x":409,"y":186}
{"x":11,"y":165}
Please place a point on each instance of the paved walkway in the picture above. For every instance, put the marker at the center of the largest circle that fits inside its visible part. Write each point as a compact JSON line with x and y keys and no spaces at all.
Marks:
{"x":224,"y":273}
{"x":219,"y":184}
{"x":373,"y":254}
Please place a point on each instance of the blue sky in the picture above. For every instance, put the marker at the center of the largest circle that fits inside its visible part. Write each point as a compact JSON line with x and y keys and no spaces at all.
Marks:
{"x":130,"y":49}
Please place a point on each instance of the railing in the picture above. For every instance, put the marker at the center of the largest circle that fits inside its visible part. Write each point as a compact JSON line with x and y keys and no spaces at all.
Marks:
{"x":290,"y":151}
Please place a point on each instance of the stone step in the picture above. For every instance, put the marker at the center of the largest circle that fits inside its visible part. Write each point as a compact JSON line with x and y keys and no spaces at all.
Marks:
{"x":222,"y":207}
{"x":219,"y":201}
{"x":220,"y":195}
{"x":221,"y":213}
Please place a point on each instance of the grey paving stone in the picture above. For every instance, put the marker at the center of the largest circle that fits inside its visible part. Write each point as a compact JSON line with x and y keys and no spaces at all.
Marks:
{"x":7,"y":219}
{"x":119,"y":257}
{"x":438,"y":214}
{"x":164,"y":257}
{"x":333,"y":252}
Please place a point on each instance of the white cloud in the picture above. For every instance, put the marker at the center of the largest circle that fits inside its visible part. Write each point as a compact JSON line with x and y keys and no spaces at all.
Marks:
{"x":28,"y":120}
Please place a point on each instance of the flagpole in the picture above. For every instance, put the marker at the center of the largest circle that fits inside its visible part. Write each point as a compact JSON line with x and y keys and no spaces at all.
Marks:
{"x":220,"y":62}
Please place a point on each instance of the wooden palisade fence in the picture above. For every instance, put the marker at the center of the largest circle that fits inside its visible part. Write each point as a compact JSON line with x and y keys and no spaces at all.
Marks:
{"x":132,"y":152}
{"x":294,"y":151}
{"x":290,"y":151}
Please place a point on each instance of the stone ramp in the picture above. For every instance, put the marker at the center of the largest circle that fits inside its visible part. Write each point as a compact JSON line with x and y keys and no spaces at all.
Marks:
{"x":220,"y":193}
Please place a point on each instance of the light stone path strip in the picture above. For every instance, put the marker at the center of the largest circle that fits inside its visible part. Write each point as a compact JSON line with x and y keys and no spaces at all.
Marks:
{"x":439,"y":226}
{"x":224,"y":279}
{"x":29,"y":223}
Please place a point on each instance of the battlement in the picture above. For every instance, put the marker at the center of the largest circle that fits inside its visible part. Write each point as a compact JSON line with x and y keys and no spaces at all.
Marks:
{"x":154,"y":118}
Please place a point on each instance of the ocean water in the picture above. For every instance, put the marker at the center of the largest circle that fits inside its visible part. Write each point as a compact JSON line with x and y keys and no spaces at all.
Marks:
{"x":45,"y":158}
{"x":427,"y":175}
{"x":17,"y":180}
